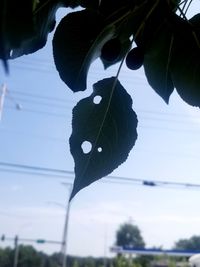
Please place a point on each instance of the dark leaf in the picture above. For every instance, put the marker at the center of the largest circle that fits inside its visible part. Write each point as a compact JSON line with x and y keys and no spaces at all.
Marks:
{"x":77,"y":42}
{"x":109,"y":7}
{"x":94,"y":4}
{"x":106,"y":121}
{"x":43,"y":22}
{"x":111,"y":49}
{"x":71,"y":3}
{"x":154,"y":36}
{"x":16,"y":23}
{"x":4,"y":52}
{"x":157,"y":62}
{"x":146,"y":19}
{"x":185,"y":63}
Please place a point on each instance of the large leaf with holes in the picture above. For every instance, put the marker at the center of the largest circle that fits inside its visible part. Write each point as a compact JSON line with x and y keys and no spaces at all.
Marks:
{"x":109,"y":126}
{"x":185,"y":63}
{"x":77,"y":42}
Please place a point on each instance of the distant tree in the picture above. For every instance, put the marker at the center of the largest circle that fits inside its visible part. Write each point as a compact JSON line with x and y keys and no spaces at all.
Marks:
{"x":129,"y":235}
{"x":193,"y":243}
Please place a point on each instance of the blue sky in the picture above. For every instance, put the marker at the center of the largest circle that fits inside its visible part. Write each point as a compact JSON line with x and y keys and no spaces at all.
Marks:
{"x":37,"y":135}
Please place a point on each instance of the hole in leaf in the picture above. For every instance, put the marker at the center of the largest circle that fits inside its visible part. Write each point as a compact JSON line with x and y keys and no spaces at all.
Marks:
{"x":97,"y":99}
{"x":11,"y":53}
{"x":86,"y":147}
{"x":99,"y":149}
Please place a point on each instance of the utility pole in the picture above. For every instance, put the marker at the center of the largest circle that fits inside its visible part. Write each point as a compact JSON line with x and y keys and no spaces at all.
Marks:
{"x":16,"y":256}
{"x":65,"y":230}
{"x":65,"y":235}
{"x":2,"y":98}
{"x":105,"y":246}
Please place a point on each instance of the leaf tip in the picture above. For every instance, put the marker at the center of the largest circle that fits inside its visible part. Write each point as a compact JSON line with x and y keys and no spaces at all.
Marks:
{"x":75,"y":190}
{"x":166,"y":99}
{"x":72,"y":195}
{"x":6,"y":66}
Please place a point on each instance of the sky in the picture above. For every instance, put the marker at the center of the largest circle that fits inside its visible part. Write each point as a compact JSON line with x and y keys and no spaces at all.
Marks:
{"x":33,"y":203}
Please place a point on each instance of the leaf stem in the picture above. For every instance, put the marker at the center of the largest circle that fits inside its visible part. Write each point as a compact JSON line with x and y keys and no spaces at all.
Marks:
{"x":190,"y":24}
{"x":185,"y":3}
{"x":169,"y":59}
{"x":188,"y":6}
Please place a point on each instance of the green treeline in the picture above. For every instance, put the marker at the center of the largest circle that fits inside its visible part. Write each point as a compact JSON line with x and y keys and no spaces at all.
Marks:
{"x":127,"y":235}
{"x":29,"y":257}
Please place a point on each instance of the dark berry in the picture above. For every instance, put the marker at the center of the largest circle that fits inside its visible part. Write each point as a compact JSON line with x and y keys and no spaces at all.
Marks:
{"x":111,"y":50}
{"x":135,"y":58}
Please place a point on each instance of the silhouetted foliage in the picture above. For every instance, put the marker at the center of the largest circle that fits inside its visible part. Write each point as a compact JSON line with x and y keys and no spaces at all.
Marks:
{"x":30,"y":257}
{"x":168,"y":48}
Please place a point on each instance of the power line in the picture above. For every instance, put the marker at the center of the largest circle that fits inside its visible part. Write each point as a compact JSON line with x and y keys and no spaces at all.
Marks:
{"x":139,"y":112}
{"x":36,"y":173}
{"x":64,"y":141}
{"x":39,"y":136}
{"x":64,"y":116}
{"x":37,"y":96}
{"x":35,"y":102}
{"x":182,"y":131}
{"x":39,"y":70}
{"x":148,"y":112}
{"x":35,"y":168}
{"x":60,"y":173}
{"x":39,"y":112}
